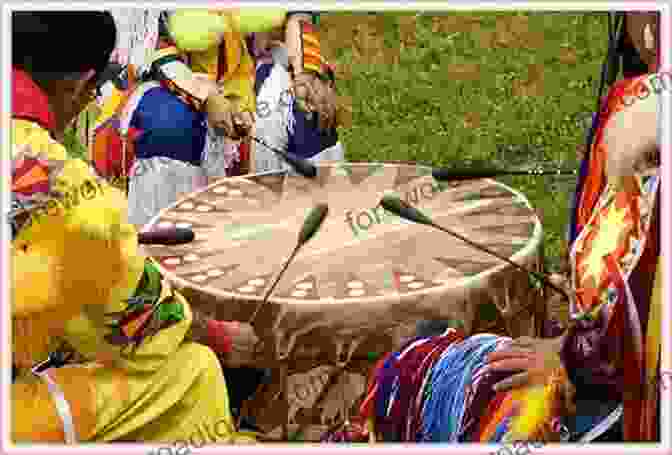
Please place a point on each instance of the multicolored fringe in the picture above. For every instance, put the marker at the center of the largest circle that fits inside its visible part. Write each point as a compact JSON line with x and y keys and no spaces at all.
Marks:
{"x":426,"y":391}
{"x":312,"y":55}
{"x":310,"y":47}
{"x":152,"y":308}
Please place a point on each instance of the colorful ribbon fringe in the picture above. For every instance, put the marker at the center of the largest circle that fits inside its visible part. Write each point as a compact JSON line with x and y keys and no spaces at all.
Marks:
{"x":429,"y":390}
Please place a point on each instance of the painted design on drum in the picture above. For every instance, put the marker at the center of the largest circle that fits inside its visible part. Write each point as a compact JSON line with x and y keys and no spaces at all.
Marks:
{"x":405,"y":281}
{"x":303,"y":389}
{"x":342,"y":397}
{"x":306,"y":288}
{"x":464,"y":266}
{"x":365,"y":220}
{"x":252,"y":236}
{"x":207,"y":276}
{"x":227,"y":190}
{"x":238,"y":232}
{"x":360,"y":172}
{"x":253,"y":286}
{"x":183,"y":257}
{"x":199,"y":206}
{"x":406,"y":174}
{"x":356,"y":287}
{"x":275,"y":183}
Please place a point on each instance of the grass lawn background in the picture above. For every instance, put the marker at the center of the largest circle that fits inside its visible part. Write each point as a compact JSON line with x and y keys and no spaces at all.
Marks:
{"x":445,"y":89}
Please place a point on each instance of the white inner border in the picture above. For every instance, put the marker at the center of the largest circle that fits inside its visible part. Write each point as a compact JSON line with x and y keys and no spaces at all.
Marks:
{"x":666,"y":22}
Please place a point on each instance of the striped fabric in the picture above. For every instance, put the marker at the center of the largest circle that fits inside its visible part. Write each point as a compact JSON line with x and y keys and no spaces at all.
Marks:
{"x":310,"y":46}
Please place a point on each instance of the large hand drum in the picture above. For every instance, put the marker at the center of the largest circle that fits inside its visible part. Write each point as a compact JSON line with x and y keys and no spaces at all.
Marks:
{"x":367,"y":276}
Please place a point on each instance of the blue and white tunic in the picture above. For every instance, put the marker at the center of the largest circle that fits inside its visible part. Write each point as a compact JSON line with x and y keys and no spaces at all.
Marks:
{"x":281,"y":124}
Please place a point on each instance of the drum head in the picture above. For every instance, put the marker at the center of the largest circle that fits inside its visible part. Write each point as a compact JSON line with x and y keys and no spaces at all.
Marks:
{"x":365,"y":266}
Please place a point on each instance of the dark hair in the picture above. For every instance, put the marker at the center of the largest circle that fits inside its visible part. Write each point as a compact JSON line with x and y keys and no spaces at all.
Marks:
{"x":59,"y":44}
{"x":631,"y":62}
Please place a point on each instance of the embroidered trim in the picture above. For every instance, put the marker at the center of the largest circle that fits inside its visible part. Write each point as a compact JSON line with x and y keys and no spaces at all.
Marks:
{"x":62,"y":405}
{"x":152,"y":308}
{"x":310,"y":48}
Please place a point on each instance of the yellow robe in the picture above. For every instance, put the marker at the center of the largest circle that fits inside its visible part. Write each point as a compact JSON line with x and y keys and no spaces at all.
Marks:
{"x":73,"y":262}
{"x":199,"y":35}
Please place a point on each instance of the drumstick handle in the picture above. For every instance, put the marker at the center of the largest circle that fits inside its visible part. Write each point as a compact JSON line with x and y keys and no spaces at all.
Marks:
{"x":169,"y":236}
{"x":476,"y":173}
{"x":300,"y":165}
{"x":275,"y":283}
{"x":537,"y":275}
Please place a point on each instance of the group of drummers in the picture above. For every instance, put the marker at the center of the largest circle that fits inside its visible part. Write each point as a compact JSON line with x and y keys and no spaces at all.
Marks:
{"x":222,"y":91}
{"x":186,"y":114}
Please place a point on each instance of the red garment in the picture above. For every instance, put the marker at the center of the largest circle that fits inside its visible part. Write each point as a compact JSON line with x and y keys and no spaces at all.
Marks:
{"x":596,"y":179}
{"x":29,"y":102}
{"x":219,"y":335}
{"x":609,"y":347}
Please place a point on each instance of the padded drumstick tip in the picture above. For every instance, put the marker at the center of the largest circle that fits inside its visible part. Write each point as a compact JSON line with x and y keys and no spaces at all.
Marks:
{"x":311,"y":225}
{"x":300,"y":165}
{"x":313,"y":222}
{"x":400,"y":208}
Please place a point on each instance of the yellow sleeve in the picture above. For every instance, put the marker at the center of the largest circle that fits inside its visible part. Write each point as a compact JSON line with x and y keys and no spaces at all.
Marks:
{"x":243,"y":89}
{"x":251,"y":20}
{"x":197,"y":30}
{"x":74,"y":246}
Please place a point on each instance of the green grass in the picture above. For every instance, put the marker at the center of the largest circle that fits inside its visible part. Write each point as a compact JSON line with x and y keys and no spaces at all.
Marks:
{"x":415,"y":107}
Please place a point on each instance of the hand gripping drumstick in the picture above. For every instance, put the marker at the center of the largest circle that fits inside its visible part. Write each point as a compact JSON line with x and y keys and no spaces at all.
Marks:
{"x":458,"y":174}
{"x":310,"y":227}
{"x":400,"y":208}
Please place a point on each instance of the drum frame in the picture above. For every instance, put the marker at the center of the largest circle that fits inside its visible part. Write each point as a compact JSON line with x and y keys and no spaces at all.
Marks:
{"x":537,"y":308}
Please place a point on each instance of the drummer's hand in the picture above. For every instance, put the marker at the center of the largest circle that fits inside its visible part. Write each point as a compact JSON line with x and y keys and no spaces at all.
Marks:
{"x":530,"y":359}
{"x":243,"y":342}
{"x":226,"y":118}
{"x":317,"y":96}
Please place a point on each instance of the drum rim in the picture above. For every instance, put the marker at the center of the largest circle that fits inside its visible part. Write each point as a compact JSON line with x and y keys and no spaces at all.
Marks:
{"x":533,"y":243}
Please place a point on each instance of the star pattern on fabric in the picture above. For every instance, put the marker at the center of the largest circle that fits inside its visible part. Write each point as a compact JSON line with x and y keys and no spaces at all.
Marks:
{"x":606,"y":242}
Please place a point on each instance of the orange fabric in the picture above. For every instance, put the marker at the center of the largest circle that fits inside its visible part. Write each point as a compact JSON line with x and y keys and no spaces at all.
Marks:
{"x":595,"y":180}
{"x":33,"y":406}
{"x":499,"y":408}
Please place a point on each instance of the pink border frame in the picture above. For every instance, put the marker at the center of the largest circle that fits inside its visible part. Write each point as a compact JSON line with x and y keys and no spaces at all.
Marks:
{"x":666,"y":415}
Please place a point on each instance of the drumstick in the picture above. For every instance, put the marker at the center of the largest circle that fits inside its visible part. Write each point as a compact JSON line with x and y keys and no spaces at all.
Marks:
{"x":400,"y":208}
{"x":457,"y":174}
{"x":310,"y":227}
{"x":300,"y":165}
{"x":169,"y":236}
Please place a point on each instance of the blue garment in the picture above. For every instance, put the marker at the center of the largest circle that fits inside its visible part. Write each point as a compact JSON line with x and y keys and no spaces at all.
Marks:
{"x":305,"y":139}
{"x":169,"y":128}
